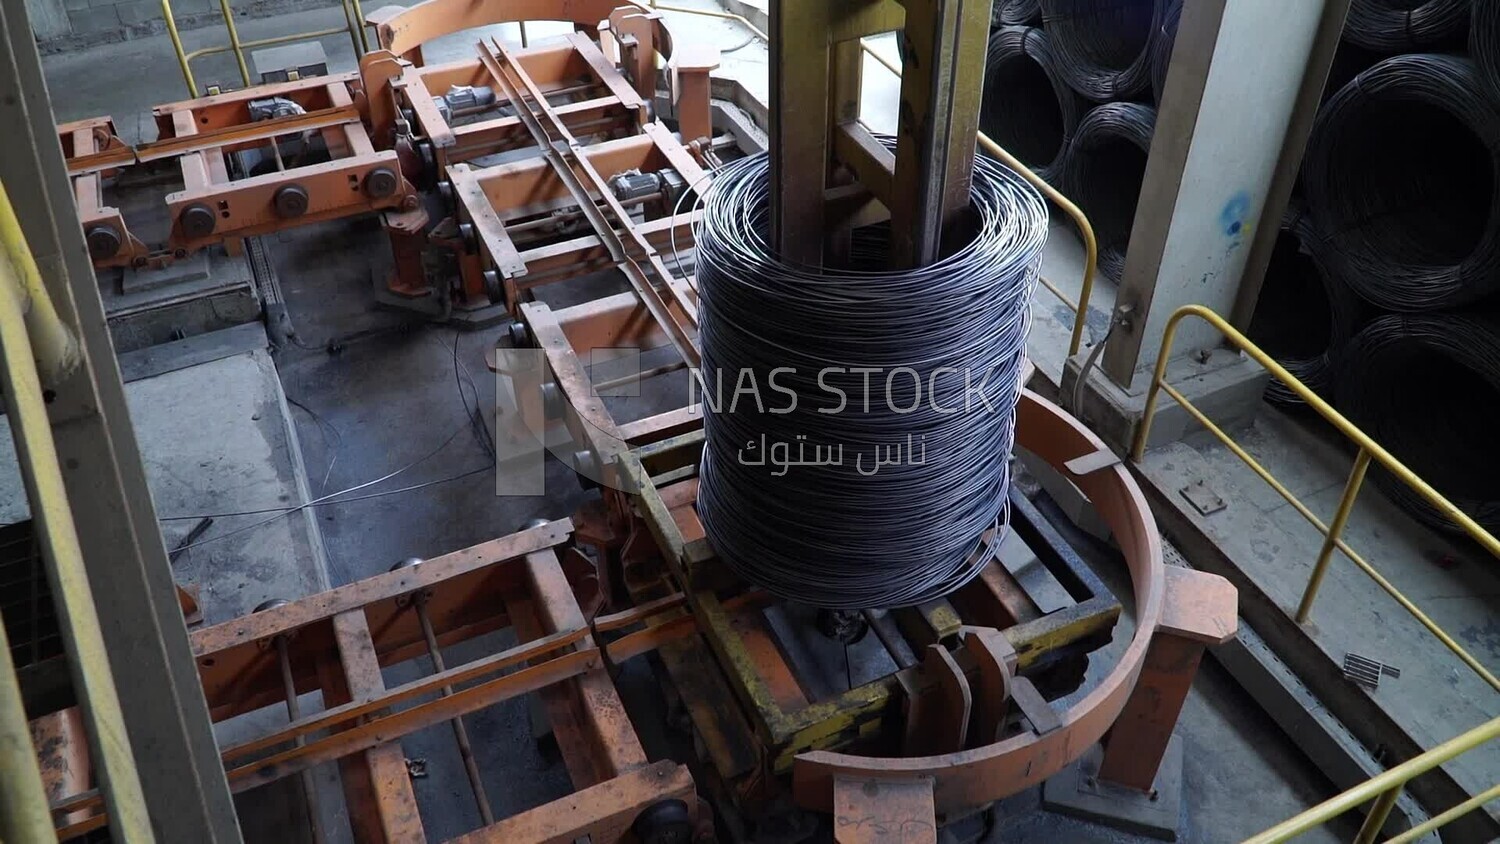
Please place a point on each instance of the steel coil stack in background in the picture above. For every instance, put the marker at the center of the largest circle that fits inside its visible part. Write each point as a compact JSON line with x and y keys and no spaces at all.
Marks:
{"x":1017,"y":12}
{"x":1305,"y":315}
{"x":1426,"y":387}
{"x":1400,"y":173}
{"x":851,"y":533}
{"x":1104,"y":46}
{"x":1027,"y":107}
{"x":1161,"y":49}
{"x":1398,"y":26}
{"x":1102,"y":171}
{"x":1484,"y":42}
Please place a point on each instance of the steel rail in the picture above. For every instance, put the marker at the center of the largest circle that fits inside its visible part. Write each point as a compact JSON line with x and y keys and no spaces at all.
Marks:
{"x":213,"y":139}
{"x":564,"y":155}
{"x":1368,"y":450}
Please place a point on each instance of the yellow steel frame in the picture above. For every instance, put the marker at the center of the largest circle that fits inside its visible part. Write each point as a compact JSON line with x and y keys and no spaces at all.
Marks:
{"x":1080,"y":308}
{"x":354,"y":17}
{"x":24,"y":305}
{"x":1387,"y":787}
{"x":1368,"y":450}
{"x":1384,"y":789}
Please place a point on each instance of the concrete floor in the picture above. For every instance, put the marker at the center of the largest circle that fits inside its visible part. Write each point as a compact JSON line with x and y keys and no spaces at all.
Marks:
{"x":393,"y":397}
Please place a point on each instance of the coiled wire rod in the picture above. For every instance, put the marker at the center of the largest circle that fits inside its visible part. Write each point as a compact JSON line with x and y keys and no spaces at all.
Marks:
{"x":1017,"y":12}
{"x":1104,"y":47}
{"x":1306,"y":314}
{"x":1027,"y":107}
{"x":1484,"y":43}
{"x":1400,"y":26}
{"x":1425,"y":386}
{"x":814,"y":375}
{"x":1161,"y":49}
{"x":1103,"y":170}
{"x":1400,"y":173}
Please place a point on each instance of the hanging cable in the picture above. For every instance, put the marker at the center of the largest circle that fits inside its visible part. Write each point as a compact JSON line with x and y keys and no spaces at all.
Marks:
{"x":1399,"y":26}
{"x":1027,"y":106}
{"x":1305,"y":314}
{"x":1103,"y":170}
{"x":1104,"y":47}
{"x":859,"y":422}
{"x":1423,"y":386}
{"x":1400,"y":174}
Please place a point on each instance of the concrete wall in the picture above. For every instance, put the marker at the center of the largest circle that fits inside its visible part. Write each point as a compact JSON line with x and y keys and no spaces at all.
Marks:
{"x":62,"y":25}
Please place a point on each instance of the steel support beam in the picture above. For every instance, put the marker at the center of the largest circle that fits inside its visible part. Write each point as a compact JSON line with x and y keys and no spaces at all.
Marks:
{"x":1245,"y":80}
{"x":165,"y":715}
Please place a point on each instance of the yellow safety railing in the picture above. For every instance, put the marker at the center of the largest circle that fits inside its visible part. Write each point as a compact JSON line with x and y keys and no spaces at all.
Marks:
{"x":1388,"y":785}
{"x":1369,"y":451}
{"x":1080,"y":308}
{"x":27,"y":317}
{"x":1384,"y":789}
{"x":354,"y":17}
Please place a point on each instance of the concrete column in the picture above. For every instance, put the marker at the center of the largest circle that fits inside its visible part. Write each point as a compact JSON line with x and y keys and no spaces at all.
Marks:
{"x":1240,"y":99}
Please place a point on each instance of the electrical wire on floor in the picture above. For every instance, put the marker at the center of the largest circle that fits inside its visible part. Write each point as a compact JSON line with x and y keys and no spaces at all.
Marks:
{"x":333,"y":444}
{"x":474,"y":422}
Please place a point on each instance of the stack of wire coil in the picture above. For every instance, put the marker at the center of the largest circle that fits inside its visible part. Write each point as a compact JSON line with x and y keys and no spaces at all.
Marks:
{"x":910,"y":377}
{"x":1424,"y":386}
{"x":1103,"y":170}
{"x":1305,"y":316}
{"x":1400,"y":173}
{"x":1105,"y":45}
{"x":1395,"y":26}
{"x":1027,"y":107}
{"x":1017,"y":12}
{"x":1484,"y":43}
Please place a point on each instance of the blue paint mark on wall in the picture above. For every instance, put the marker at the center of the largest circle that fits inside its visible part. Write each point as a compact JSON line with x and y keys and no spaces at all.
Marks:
{"x":1233,"y":217}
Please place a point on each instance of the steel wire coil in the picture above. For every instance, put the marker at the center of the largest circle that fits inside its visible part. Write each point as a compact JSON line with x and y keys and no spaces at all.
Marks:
{"x":1484,"y":43}
{"x":1403,"y":26}
{"x":1400,"y":174}
{"x":1017,"y":12}
{"x":1161,"y":49}
{"x":1305,"y":315}
{"x":1103,"y":170}
{"x":1426,"y":387}
{"x":1104,"y":47}
{"x":1027,"y":107}
{"x":836,"y":534}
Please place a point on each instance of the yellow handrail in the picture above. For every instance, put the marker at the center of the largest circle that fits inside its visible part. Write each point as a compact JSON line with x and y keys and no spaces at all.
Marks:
{"x":1384,"y":788}
{"x":1368,"y":450}
{"x":353,"y":24}
{"x":52,"y":517}
{"x":24,"y":818}
{"x":1080,"y":308}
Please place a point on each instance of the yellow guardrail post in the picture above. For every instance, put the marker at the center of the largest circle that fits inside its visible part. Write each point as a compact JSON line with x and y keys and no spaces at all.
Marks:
{"x":182,"y":58}
{"x":1385,"y":786}
{"x":1375,"y":820}
{"x":1335,"y":531}
{"x":1442,"y":820}
{"x":24,"y":818}
{"x":234,"y":41}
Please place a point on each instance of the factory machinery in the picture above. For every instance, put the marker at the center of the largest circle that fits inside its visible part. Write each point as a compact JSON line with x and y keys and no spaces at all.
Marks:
{"x":518,"y":168}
